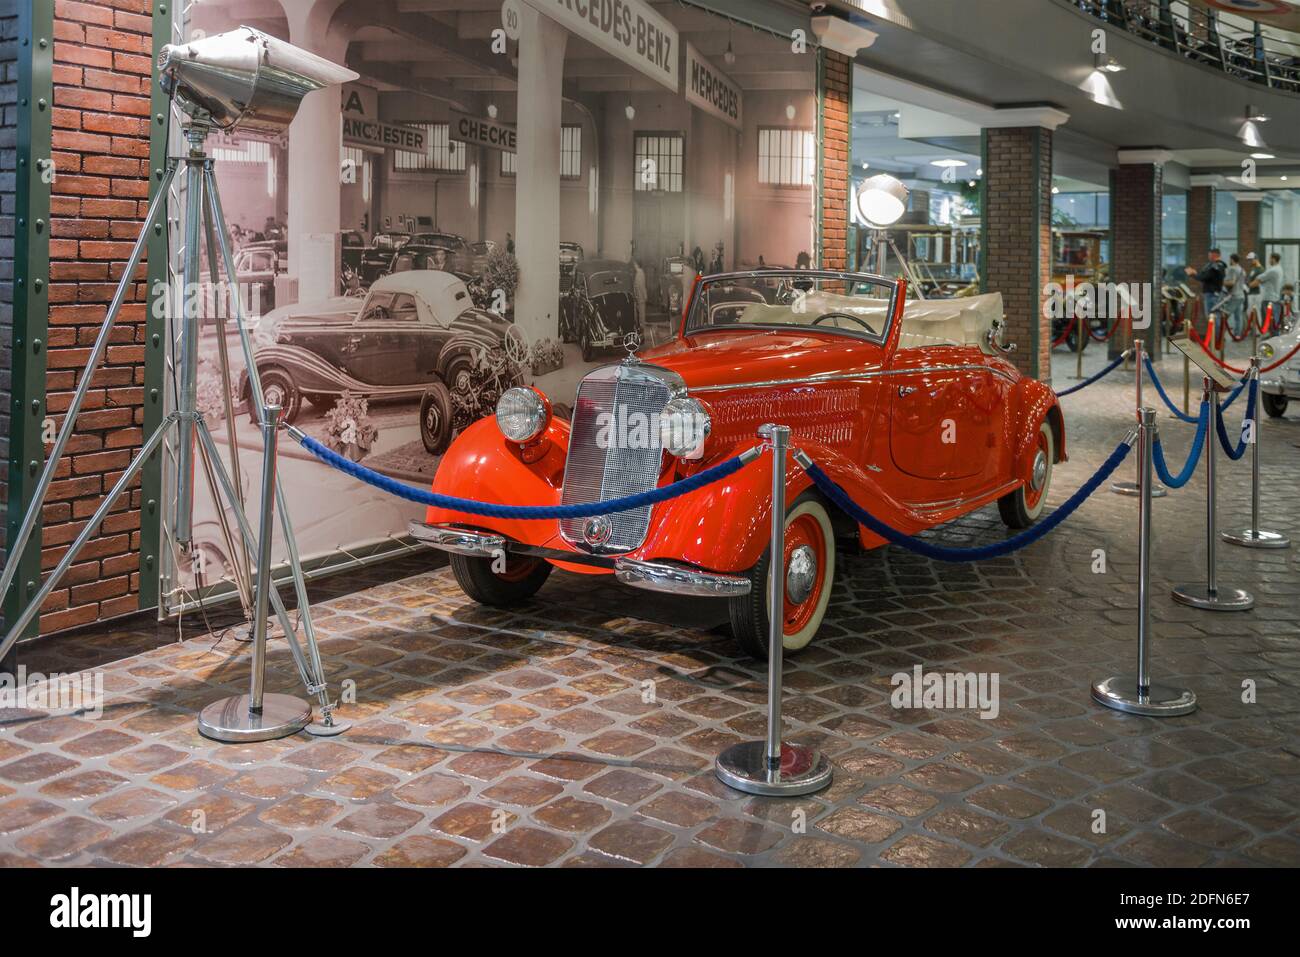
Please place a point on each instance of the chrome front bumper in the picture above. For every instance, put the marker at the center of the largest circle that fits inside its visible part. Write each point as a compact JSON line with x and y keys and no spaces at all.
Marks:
{"x":667,"y":577}
{"x":459,"y":541}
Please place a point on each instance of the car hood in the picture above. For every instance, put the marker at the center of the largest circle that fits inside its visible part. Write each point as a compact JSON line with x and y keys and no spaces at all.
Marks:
{"x":734,"y":358}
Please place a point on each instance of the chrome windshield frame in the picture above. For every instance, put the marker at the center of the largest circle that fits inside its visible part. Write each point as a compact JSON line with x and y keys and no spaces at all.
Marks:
{"x":794,"y":275}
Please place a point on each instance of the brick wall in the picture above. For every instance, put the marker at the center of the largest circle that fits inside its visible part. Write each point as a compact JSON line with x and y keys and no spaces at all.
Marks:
{"x":1200,"y":224}
{"x":102,"y":51}
{"x":1248,"y":229}
{"x":1135,"y":232}
{"x":1017,"y":237}
{"x":837,"y":104}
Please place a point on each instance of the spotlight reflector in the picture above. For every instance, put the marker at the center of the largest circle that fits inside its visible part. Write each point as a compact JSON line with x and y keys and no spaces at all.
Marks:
{"x":882,"y":200}
{"x":244,"y":79}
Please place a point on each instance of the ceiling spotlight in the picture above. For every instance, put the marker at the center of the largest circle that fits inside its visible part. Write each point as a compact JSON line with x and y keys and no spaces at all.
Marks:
{"x":1256,"y":115}
{"x":789,"y":111}
{"x":948,"y":163}
{"x":970,"y":183}
{"x":1261,"y":156}
{"x":630,"y":111}
{"x":866,"y":165}
{"x":1055,"y":190}
{"x":882,"y":200}
{"x":1107,"y":63}
{"x":492,"y":111}
{"x":1250,"y":136}
{"x":730,"y":55}
{"x":979,"y":171}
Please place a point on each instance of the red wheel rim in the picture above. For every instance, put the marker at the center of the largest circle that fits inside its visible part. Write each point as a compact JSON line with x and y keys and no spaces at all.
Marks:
{"x":1033,"y":495}
{"x":517,"y":570}
{"x":804,"y":531}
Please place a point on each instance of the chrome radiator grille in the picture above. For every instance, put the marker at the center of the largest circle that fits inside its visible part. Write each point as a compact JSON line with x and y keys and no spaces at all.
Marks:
{"x":608,"y":399}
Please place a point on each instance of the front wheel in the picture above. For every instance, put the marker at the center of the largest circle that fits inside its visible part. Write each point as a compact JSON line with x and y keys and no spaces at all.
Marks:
{"x":435,"y":418}
{"x":1021,"y":508}
{"x":277,"y":389}
{"x":519,"y":580}
{"x":809,"y":575}
{"x":1274,"y":405}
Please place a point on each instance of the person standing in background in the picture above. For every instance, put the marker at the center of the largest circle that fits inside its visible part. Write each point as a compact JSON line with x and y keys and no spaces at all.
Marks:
{"x":1210,"y":277}
{"x":1270,"y":288}
{"x":1234,"y":281}
{"x":1253,"y":269}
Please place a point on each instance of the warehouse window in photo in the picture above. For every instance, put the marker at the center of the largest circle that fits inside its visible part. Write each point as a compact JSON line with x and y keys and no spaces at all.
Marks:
{"x":786,"y":157}
{"x":570,"y":155}
{"x":440,"y":154}
{"x":659,"y":163}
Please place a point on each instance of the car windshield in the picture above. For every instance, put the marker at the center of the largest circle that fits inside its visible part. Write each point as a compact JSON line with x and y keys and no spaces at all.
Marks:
{"x":849,"y":303}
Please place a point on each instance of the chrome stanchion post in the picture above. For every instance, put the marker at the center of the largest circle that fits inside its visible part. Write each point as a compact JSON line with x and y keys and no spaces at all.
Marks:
{"x":1135,"y":693}
{"x":1255,"y":537}
{"x":771,"y":767}
{"x":1211,"y":596}
{"x":1135,"y":487}
{"x":259,"y":716}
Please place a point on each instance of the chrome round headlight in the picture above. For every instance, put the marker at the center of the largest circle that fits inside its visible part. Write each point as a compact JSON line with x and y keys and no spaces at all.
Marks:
{"x":522,"y":414}
{"x":1266,"y":351}
{"x":684,"y":424}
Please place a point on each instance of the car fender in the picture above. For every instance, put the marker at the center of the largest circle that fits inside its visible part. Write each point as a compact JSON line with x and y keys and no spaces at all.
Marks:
{"x":726,"y":526}
{"x":1034,"y":403}
{"x":309,"y":372}
{"x":483,"y":466}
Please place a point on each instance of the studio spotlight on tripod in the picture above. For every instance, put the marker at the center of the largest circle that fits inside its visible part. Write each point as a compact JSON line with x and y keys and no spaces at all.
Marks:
{"x":252,"y":83}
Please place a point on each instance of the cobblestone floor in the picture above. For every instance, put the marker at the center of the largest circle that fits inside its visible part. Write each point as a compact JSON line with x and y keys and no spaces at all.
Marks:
{"x":524,"y":738}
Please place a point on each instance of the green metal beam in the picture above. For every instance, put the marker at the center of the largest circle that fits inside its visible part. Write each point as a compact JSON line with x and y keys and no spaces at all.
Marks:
{"x":155,"y":353}
{"x":34,"y":176}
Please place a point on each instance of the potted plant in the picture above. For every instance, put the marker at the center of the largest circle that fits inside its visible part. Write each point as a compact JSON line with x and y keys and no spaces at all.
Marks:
{"x":348,"y":429}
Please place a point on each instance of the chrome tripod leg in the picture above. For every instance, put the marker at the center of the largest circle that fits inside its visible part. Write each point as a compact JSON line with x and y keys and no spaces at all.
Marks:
{"x":328,"y":724}
{"x":16,"y":545}
{"x":33,"y":607}
{"x":277,"y":603}
{"x":259,"y":716}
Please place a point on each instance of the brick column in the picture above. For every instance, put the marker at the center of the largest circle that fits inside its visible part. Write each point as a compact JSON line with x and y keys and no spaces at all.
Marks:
{"x":1016,"y":245}
{"x":836,"y":106}
{"x":1248,"y":224}
{"x":102,"y":52}
{"x":1135,"y":207}
{"x":1200,"y":220}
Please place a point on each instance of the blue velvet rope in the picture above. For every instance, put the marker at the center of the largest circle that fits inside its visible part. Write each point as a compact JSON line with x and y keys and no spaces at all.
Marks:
{"x":1012,"y":544}
{"x":1100,"y":375}
{"x":526,"y":512}
{"x":1240,"y":449}
{"x":1164,"y":396}
{"x":1198,"y":443}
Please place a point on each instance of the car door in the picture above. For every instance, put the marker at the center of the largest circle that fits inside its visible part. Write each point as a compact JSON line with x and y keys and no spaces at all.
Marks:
{"x":947,"y":411}
{"x":384,"y":341}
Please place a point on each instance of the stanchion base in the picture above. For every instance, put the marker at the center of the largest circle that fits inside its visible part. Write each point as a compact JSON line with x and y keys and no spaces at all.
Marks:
{"x":322,"y":730}
{"x":1161,"y":701}
{"x":230,"y":720}
{"x":1134,"y":490}
{"x":744,"y":767}
{"x":1221,"y":599}
{"x":1256,"y":538}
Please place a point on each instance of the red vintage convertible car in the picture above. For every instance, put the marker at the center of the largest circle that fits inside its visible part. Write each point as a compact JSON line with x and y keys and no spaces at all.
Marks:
{"x":912,"y":408}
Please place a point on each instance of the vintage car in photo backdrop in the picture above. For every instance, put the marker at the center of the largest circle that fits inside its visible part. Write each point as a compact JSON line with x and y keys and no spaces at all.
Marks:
{"x":417,"y":334}
{"x":909,"y":406}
